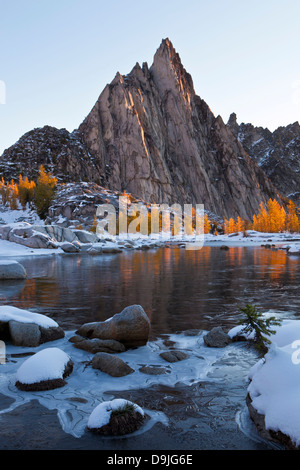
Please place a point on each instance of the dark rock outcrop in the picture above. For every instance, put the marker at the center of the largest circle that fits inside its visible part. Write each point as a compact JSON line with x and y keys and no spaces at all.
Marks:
{"x":277,"y":153}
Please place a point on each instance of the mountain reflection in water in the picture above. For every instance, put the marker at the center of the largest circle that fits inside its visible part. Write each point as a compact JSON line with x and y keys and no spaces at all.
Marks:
{"x":179,"y":289}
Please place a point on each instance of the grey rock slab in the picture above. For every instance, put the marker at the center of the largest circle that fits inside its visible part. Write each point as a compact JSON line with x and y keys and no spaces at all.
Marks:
{"x":111,"y":365}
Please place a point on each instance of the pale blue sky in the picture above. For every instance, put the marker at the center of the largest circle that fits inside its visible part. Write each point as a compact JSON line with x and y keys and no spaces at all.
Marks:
{"x":56,"y":56}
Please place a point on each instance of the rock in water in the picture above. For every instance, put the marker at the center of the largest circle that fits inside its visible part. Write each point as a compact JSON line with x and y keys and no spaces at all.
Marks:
{"x":174,"y":356}
{"x":116,"y":418}
{"x":45,"y":370}
{"x":112,"y":365}
{"x":25,"y":328}
{"x":131,"y":327}
{"x":96,"y":345}
{"x":11,"y":270}
{"x":217,"y":338}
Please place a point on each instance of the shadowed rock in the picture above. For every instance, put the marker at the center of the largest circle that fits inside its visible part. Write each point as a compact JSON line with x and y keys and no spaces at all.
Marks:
{"x":131,"y":327}
{"x":174,"y":356}
{"x":111,"y":365}
{"x":217,"y":338}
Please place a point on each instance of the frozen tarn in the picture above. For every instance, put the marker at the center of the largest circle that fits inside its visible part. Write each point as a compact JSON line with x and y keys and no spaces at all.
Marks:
{"x":87,"y":387}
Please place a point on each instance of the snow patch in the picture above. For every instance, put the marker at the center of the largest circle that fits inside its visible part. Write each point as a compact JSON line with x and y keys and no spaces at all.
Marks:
{"x":48,"y":364}
{"x":8,"y":312}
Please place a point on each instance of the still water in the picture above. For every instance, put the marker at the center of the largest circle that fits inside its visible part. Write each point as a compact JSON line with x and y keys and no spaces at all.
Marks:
{"x":178,"y":289}
{"x":202,"y":400}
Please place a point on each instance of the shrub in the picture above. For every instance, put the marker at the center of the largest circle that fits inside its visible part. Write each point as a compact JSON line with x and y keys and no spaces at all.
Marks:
{"x":254,"y":321}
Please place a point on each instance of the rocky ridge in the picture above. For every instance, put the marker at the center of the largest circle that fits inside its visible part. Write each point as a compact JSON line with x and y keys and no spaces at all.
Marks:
{"x":277,"y":153}
{"x":151,"y":135}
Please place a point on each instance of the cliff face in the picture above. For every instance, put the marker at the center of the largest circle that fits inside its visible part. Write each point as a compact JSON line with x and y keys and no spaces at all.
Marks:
{"x":277,"y":153}
{"x":151,"y":135}
{"x":157,"y":139}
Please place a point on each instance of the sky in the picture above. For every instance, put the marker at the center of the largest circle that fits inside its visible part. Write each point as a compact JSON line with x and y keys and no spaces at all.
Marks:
{"x":56,"y":56}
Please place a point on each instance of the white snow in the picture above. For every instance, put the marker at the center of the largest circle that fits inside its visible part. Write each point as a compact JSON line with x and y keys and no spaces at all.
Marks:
{"x":47,"y":364}
{"x":100,"y":416}
{"x":275,"y":381}
{"x":8,"y":312}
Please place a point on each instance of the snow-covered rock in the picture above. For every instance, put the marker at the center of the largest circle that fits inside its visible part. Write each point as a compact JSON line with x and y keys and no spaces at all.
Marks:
{"x":10,"y":269}
{"x":45,"y":370}
{"x":274,"y":390}
{"x":116,"y":417}
{"x":25,"y":328}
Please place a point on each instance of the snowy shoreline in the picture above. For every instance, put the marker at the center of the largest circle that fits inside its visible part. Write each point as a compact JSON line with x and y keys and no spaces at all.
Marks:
{"x":287,"y":241}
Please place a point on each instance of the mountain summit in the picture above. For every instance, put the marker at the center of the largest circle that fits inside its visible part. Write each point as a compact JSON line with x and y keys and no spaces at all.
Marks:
{"x":151,"y":135}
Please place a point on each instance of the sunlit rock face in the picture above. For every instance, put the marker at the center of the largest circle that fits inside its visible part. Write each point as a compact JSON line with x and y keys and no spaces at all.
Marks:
{"x":160,"y":141}
{"x":277,"y":153}
{"x":151,"y":135}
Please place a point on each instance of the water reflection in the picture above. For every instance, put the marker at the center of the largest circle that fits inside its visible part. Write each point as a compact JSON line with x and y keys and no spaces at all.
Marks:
{"x":178,"y":289}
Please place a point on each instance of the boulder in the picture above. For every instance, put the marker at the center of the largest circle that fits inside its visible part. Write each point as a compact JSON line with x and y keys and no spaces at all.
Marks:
{"x":25,"y":328}
{"x":153,"y":370}
{"x":57,"y":233}
{"x":85,"y":237}
{"x":217,"y":338}
{"x":112,"y":365}
{"x":27,"y":236}
{"x":24,"y":334}
{"x":68,"y":247}
{"x":96,"y":345}
{"x":131,"y":327}
{"x":174,"y":355}
{"x":10,"y":269}
{"x":45,"y":370}
{"x":116,"y":418}
{"x":95,"y":250}
{"x":111,"y":249}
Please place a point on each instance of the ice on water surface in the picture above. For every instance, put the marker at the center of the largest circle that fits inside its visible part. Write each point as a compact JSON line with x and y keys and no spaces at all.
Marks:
{"x":86,"y":387}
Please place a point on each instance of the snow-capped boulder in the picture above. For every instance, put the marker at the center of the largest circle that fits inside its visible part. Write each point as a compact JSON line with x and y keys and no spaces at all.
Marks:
{"x":31,"y":238}
{"x":25,"y":328}
{"x":112,"y":365}
{"x":116,"y":417}
{"x":45,"y":370}
{"x":10,"y":269}
{"x":131,"y":327}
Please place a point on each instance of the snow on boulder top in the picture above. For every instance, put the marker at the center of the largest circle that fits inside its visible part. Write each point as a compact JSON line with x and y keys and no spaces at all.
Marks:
{"x":48,"y":364}
{"x":275,"y":382}
{"x":8,"y":312}
{"x":102,"y":413}
{"x":10,"y":269}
